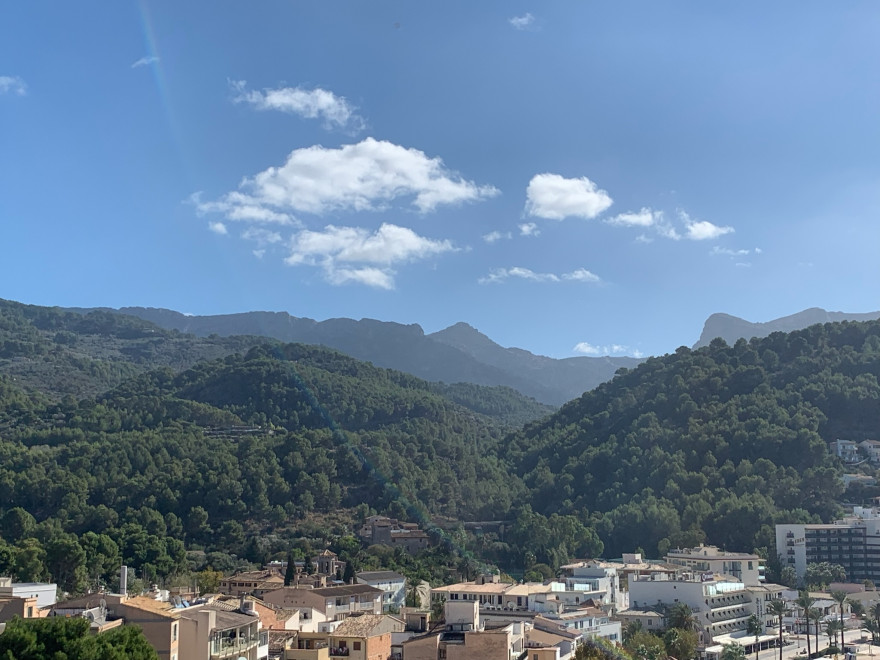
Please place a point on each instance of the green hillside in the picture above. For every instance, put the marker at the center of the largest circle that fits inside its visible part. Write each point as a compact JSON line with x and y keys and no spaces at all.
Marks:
{"x":146,"y":466}
{"x":712,"y":444}
{"x":240,"y":455}
{"x":62,"y":353}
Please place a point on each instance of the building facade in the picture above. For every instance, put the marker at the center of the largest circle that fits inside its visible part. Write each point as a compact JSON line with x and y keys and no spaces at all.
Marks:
{"x":853,"y":542}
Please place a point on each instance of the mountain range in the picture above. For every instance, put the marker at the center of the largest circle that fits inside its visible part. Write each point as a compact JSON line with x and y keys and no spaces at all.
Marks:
{"x":460,"y":353}
{"x":730,"y":328}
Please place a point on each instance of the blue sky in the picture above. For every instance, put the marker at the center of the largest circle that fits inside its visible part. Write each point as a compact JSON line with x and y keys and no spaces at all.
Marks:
{"x":568,"y":177}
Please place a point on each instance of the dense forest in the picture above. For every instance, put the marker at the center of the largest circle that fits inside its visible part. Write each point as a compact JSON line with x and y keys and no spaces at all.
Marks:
{"x":715,"y":444}
{"x":159,"y":471}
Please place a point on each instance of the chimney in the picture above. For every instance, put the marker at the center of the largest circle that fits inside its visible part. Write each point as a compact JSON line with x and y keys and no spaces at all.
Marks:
{"x":123,"y":580}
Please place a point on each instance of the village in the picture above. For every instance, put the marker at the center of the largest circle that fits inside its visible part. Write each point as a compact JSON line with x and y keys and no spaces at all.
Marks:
{"x":310,"y":612}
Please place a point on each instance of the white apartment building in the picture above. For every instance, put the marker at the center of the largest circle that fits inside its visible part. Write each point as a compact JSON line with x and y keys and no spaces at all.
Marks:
{"x":846,"y":450}
{"x":744,"y":567}
{"x":853,"y":542}
{"x":596,"y":580}
{"x":392,"y":584}
{"x":720,"y":606}
{"x":44,"y":592}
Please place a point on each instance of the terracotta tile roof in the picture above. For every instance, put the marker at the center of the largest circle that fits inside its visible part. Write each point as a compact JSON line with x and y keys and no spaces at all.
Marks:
{"x":358,"y":626}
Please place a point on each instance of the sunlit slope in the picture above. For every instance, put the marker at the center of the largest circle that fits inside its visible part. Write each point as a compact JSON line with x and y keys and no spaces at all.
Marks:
{"x":712,"y":443}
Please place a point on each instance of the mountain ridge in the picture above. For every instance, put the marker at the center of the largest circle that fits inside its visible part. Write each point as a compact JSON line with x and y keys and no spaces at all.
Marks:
{"x":731,"y":328}
{"x":459,"y":353}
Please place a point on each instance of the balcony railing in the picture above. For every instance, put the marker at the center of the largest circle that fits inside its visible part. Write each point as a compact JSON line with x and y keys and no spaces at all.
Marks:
{"x":339,"y":652}
{"x":226,"y":647}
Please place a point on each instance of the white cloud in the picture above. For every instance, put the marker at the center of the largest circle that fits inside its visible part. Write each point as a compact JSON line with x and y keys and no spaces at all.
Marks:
{"x":499,"y":275}
{"x":367,"y":258}
{"x":261,"y":236}
{"x":717,"y":250}
{"x":374,"y":277}
{"x":521,"y":22}
{"x":145,"y":61}
{"x":529,"y":229}
{"x":365,"y":176}
{"x":12,"y":85}
{"x":259,"y":253}
{"x":666,"y":230}
{"x":694,"y":230}
{"x":644,"y":218}
{"x":239,"y":207}
{"x":586,"y":348}
{"x":335,"y":111}
{"x":744,"y":264}
{"x":702,"y":230}
{"x":643,"y":238}
{"x":581,"y":275}
{"x":218,"y":228}
{"x":554,"y":197}
{"x":494,"y":236}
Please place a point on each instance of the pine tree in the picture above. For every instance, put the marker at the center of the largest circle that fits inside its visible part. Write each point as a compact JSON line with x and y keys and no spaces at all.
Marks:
{"x":290,"y":571}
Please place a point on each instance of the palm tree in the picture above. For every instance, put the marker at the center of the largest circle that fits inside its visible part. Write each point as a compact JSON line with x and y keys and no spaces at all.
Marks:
{"x":840,"y":597}
{"x":412,"y":597}
{"x":778,"y":608}
{"x":871,"y":627}
{"x":753,"y":627}
{"x":831,"y":629}
{"x":681,"y":616}
{"x":805,"y":601}
{"x":815,"y":614}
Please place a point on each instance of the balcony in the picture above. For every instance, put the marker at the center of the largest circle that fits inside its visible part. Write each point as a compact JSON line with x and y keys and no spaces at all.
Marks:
{"x":232,"y":647}
{"x":339,"y":652}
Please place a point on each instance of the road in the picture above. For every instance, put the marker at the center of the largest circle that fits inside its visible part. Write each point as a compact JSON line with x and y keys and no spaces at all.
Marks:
{"x":798,"y":648}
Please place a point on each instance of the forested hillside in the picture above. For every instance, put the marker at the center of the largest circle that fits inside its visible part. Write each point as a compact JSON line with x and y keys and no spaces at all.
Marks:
{"x":459,"y":353}
{"x":61,"y":353}
{"x":713,"y":444}
{"x":143,"y":472}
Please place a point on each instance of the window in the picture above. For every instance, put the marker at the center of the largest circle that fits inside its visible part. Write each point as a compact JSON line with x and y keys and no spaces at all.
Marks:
{"x":356,"y":646}
{"x":174,"y":632}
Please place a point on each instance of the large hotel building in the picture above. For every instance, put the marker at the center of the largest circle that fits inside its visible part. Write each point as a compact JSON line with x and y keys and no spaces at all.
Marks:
{"x":853,"y":543}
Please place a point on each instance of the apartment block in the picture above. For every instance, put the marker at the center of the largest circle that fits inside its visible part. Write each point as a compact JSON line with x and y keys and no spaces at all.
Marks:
{"x":853,"y":542}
